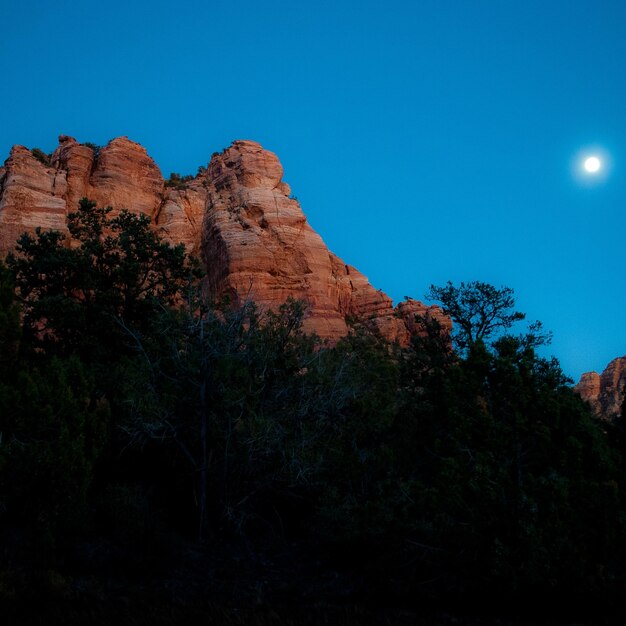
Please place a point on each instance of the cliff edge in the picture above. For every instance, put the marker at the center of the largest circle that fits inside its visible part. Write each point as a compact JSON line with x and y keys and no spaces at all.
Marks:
{"x":237,"y":215}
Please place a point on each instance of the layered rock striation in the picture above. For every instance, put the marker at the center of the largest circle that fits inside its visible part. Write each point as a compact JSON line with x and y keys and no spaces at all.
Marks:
{"x":257,"y":244}
{"x":605,"y":392}
{"x":237,"y":214}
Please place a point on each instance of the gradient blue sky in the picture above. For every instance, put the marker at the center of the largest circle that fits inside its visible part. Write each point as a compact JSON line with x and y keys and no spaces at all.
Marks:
{"x":427,"y":141}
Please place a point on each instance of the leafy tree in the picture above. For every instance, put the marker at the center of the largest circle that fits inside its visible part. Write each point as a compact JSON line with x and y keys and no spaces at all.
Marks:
{"x":10,"y":328}
{"x":72,"y":295}
{"x":51,"y":434}
{"x":479,"y":310}
{"x":350,"y":426}
{"x":62,"y":372}
{"x":511,"y":464}
{"x":218,"y":384}
{"x":417,"y":470}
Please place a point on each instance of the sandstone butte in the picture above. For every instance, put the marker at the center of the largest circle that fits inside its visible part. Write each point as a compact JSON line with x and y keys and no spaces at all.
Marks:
{"x":237,"y":215}
{"x":605,"y":392}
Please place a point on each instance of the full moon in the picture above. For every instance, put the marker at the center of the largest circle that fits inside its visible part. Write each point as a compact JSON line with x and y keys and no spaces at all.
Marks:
{"x":592,"y":164}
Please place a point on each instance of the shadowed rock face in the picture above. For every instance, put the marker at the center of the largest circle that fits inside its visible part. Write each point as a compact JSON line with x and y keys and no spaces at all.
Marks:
{"x":605,"y":392}
{"x":238,"y":215}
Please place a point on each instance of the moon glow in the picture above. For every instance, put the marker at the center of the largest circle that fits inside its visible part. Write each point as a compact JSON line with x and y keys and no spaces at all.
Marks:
{"x":592,"y":164}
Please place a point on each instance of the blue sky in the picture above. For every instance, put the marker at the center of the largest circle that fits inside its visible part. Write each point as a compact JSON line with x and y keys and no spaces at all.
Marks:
{"x":427,"y":141}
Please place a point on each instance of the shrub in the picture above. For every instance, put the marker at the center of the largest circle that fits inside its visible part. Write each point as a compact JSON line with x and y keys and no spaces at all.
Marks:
{"x":41,"y":156}
{"x":177,"y":181}
{"x":95,"y":148}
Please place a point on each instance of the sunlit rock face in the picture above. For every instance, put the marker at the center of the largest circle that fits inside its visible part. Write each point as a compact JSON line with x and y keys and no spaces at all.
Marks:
{"x":120,"y":175}
{"x":34,"y":194}
{"x":124,"y":176}
{"x":605,"y":392}
{"x":238,"y":215}
{"x":257,"y":244}
{"x":77,"y":161}
{"x":31,"y":194}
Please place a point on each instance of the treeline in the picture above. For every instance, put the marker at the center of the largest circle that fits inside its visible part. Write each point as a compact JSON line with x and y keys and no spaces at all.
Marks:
{"x":149,"y":437}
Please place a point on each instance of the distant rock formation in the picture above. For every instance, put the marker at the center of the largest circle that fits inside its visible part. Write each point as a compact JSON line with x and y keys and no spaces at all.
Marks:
{"x":237,"y":215}
{"x":33,"y":193}
{"x":605,"y":392}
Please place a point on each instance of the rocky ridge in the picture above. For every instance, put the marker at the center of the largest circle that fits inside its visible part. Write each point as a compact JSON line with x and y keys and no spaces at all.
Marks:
{"x":605,"y":392}
{"x":237,"y":214}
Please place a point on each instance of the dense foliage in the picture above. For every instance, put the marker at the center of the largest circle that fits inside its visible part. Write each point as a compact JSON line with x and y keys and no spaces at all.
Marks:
{"x":141,"y":424}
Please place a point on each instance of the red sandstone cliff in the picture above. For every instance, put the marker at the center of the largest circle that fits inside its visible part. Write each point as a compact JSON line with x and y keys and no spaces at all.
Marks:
{"x":238,"y":215}
{"x":605,"y":392}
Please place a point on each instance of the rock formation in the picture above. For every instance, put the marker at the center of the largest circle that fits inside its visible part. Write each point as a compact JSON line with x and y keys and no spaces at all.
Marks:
{"x":605,"y":392}
{"x":237,"y":214}
{"x":257,"y":244}
{"x":31,"y":195}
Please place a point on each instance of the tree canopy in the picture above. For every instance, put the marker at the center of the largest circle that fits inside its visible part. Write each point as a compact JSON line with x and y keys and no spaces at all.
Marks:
{"x":147,"y":430}
{"x":479,"y":310}
{"x":73,"y":292}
